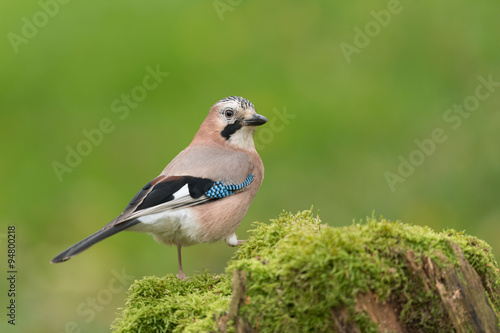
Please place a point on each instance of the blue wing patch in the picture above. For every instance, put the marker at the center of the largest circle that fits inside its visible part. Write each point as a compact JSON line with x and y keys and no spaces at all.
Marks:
{"x":219,"y":190}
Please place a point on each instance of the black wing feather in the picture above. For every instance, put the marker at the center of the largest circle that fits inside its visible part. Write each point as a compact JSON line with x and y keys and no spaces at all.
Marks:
{"x":164,"y":191}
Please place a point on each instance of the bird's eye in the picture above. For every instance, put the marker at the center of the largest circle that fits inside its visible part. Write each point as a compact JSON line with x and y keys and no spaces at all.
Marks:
{"x":229,"y":114}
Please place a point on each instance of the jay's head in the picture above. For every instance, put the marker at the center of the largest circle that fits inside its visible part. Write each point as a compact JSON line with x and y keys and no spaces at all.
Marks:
{"x":233,"y":120}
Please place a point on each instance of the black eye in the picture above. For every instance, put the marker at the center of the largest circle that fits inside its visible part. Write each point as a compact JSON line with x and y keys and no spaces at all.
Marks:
{"x":229,"y":113}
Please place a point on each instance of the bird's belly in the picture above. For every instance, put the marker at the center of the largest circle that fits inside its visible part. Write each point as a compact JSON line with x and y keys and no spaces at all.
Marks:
{"x":171,"y":227}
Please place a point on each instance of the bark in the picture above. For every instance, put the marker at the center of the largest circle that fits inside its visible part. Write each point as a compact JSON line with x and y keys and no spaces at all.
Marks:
{"x":461,"y":295}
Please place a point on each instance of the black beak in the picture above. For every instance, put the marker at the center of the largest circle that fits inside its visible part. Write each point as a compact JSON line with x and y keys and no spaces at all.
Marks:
{"x":256,"y":120}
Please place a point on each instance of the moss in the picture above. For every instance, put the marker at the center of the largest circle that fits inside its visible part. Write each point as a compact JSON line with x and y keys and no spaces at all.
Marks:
{"x":170,"y":305}
{"x":300,"y":272}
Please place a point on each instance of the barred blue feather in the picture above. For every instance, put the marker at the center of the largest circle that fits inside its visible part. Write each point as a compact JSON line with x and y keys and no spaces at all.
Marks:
{"x":219,"y":190}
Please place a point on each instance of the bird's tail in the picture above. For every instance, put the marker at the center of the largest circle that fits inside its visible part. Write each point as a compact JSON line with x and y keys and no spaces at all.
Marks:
{"x":91,"y":240}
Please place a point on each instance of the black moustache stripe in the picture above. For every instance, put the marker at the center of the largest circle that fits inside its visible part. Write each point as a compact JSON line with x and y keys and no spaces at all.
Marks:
{"x":230,"y":129}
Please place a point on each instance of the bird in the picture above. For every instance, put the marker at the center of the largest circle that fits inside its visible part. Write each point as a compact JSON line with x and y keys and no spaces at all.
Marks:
{"x":204,"y":193}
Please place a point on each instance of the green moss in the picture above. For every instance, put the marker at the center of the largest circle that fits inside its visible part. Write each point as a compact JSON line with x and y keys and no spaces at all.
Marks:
{"x":170,"y":305}
{"x":300,"y":271}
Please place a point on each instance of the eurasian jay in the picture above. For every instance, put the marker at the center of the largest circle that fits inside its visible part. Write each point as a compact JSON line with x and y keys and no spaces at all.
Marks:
{"x":204,"y":193}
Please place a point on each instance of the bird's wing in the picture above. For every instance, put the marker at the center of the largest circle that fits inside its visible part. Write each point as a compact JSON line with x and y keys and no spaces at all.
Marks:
{"x":161,"y":191}
{"x":176,"y":192}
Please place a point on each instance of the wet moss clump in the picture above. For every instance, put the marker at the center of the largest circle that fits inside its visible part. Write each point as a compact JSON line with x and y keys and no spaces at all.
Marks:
{"x":302,"y":276}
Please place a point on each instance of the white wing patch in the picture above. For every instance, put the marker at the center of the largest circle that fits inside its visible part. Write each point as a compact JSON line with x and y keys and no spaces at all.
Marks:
{"x":182,"y":199}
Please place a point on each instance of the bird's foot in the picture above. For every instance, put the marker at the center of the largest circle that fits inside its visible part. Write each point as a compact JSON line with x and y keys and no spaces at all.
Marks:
{"x":181,"y":276}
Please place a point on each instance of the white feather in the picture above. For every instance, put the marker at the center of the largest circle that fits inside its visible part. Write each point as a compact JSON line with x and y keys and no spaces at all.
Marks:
{"x":232,"y":240}
{"x":176,"y":226}
{"x":182,"y":198}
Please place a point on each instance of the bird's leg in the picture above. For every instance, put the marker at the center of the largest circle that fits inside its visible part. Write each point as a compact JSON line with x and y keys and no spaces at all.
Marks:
{"x":181,"y":274}
{"x":240,"y":242}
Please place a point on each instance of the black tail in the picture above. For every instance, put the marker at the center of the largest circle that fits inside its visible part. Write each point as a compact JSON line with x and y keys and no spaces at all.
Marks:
{"x":91,"y":240}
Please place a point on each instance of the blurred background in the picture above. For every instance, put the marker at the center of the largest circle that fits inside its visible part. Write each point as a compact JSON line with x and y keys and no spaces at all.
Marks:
{"x":381,"y":107}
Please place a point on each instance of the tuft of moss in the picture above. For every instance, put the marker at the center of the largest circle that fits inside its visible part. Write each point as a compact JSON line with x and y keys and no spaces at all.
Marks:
{"x":301,"y":274}
{"x":170,"y":305}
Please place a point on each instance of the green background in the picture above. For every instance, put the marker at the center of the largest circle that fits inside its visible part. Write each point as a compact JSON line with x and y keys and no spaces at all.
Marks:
{"x":352,"y":120}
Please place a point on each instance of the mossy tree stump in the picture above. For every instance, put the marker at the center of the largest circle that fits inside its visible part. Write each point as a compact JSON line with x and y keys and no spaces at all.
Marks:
{"x":297,"y":275}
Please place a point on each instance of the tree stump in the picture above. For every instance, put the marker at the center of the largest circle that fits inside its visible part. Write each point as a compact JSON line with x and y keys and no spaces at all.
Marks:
{"x":297,"y":275}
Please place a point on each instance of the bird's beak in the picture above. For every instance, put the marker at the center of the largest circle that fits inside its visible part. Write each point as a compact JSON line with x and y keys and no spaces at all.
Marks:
{"x":256,"y":120}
